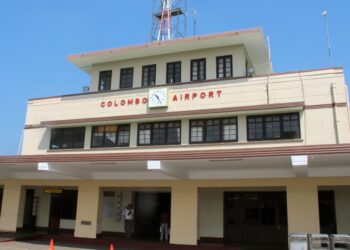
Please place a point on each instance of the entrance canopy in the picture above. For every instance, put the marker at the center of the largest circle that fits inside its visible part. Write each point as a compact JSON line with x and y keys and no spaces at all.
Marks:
{"x":282,"y":162}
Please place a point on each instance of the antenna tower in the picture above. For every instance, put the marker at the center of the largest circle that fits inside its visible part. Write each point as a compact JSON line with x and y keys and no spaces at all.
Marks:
{"x":169,"y":20}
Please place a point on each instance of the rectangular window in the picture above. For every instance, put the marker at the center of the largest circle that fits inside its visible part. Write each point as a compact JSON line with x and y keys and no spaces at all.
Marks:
{"x":105,"y":80}
{"x":159,"y":133}
{"x":126,"y":78}
{"x":173,"y":72}
{"x":213,"y":130}
{"x":110,"y":136}
{"x":67,"y":138}
{"x":224,"y":66}
{"x":198,"y":70}
{"x":149,"y":75}
{"x":273,"y":127}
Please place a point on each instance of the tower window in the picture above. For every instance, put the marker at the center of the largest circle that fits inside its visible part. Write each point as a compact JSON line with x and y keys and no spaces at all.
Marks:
{"x":105,"y":80}
{"x":126,"y":78}
{"x":173,"y":72}
{"x":224,"y":66}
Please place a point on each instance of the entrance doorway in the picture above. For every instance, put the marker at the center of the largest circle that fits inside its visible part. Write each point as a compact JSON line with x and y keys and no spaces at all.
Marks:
{"x":148,"y":207}
{"x":255,"y":218}
{"x":1,"y":196}
{"x":326,"y":205}
{"x":30,"y":211}
{"x":62,"y":206}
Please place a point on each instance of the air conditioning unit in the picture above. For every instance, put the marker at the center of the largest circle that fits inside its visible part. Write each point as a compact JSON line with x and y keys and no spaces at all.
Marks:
{"x":86,"y":89}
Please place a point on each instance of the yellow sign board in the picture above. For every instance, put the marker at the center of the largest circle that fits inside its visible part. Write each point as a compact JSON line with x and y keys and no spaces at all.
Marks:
{"x":53,"y":191}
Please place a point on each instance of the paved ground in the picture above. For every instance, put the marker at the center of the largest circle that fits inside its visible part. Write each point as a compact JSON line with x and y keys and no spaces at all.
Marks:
{"x":13,"y":245}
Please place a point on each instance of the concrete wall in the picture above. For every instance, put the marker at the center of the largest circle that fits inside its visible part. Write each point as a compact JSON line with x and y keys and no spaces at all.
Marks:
{"x":320,"y":124}
{"x":211,"y":213}
{"x":237,"y":52}
{"x":313,"y":88}
{"x":342,"y":208}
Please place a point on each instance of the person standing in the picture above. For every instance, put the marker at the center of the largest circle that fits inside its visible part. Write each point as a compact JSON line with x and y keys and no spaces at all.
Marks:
{"x":164,"y":226}
{"x":129,"y":220}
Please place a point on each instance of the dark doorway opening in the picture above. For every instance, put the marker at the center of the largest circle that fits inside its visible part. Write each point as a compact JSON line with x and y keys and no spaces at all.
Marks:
{"x":148,"y":207}
{"x":30,"y":211}
{"x":326,"y":206}
{"x":256,"y":218}
{"x":1,"y":196}
{"x":63,"y":206}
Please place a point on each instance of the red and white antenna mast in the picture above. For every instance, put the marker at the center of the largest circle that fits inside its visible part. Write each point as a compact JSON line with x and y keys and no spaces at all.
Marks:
{"x":165,"y":31}
{"x":168,"y":19}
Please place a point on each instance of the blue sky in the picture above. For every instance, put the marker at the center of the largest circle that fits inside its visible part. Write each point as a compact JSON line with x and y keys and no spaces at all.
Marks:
{"x":38,"y":35}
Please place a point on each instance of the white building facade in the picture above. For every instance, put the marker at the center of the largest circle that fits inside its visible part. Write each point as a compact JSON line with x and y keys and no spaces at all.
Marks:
{"x":241,"y":155}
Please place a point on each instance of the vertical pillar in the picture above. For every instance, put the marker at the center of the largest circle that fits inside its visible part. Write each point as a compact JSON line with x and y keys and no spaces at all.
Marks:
{"x":10,"y":207}
{"x":242,"y":128}
{"x":184,"y":209}
{"x":87,"y":210}
{"x":133,"y":134}
{"x":87,"y":140}
{"x":302,"y":205}
{"x":185,"y":132}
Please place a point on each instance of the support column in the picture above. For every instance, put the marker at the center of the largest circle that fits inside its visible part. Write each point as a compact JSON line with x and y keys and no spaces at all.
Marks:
{"x":10,"y":207}
{"x":184,"y":210}
{"x":302,"y":206}
{"x":87,"y":211}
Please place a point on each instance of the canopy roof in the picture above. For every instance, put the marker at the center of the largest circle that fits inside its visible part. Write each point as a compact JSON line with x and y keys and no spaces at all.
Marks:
{"x":251,"y":39}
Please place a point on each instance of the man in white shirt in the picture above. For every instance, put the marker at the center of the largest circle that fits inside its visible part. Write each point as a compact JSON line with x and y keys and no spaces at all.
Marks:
{"x":128,"y":220}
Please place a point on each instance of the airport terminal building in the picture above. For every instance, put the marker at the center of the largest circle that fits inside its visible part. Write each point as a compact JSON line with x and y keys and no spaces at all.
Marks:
{"x":200,"y":127}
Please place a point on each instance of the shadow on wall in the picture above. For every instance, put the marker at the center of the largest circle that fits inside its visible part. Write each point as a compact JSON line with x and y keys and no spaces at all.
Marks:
{"x":44,"y":143}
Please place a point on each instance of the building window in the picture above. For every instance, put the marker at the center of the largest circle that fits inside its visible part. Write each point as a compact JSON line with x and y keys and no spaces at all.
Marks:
{"x":105,"y":80}
{"x":149,"y":75}
{"x":213,"y":130}
{"x":159,"y":133}
{"x":173,"y":72}
{"x":110,"y":136}
{"x":126,"y":78}
{"x":198,"y":70}
{"x":223,"y":66}
{"x":66,"y":138}
{"x":273,"y":127}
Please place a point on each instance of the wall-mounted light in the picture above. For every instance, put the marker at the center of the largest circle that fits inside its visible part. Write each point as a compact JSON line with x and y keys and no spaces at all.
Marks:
{"x":43,"y":166}
{"x":154,"y":165}
{"x":299,"y":160}
{"x":250,"y":71}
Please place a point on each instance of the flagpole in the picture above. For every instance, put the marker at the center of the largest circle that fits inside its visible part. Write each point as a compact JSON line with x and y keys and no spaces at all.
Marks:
{"x":325,"y":14}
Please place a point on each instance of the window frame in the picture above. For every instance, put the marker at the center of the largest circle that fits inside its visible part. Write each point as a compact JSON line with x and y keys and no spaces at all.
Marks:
{"x":205,"y":121}
{"x":224,"y":67}
{"x":62,"y":136}
{"x":104,"y":136}
{"x":148,"y":68}
{"x":121,"y":76}
{"x":151,"y":133}
{"x":99,"y":80}
{"x":198,"y":72}
{"x":281,"y":126}
{"x":167,"y":80}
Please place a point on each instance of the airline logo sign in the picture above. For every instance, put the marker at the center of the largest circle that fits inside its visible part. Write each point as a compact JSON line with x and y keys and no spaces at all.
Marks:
{"x":189,"y":96}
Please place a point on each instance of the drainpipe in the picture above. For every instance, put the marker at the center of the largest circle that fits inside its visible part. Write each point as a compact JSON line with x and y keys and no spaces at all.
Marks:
{"x":304,"y":113}
{"x":19,"y":150}
{"x":347,"y":105}
{"x":335,"y":115}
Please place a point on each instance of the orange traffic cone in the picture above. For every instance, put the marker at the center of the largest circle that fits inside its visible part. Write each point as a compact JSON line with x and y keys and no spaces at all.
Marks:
{"x":52,"y":247}
{"x":112,"y":247}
